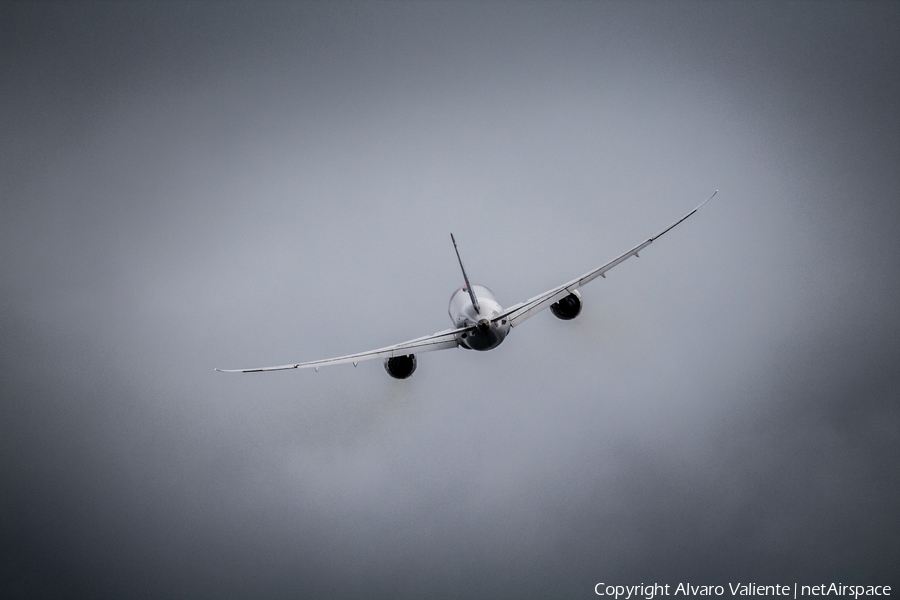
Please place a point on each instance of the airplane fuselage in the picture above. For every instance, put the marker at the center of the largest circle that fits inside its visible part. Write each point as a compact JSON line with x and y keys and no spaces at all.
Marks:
{"x":487,"y":334}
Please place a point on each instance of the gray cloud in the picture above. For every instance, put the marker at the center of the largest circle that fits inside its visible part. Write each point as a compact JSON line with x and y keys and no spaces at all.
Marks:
{"x":195,"y":185}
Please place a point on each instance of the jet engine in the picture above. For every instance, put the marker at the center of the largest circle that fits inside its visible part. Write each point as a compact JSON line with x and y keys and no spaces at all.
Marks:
{"x":400,"y":367}
{"x":567,"y":308}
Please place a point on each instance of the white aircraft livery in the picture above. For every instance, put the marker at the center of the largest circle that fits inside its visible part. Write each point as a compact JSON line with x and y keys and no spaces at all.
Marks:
{"x":479,"y":322}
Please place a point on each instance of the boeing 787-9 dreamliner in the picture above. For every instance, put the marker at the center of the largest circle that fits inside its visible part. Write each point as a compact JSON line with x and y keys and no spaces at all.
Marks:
{"x":479,"y":322}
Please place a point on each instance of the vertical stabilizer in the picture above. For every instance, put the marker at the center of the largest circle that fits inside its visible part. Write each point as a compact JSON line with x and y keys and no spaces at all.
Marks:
{"x":465,"y":277}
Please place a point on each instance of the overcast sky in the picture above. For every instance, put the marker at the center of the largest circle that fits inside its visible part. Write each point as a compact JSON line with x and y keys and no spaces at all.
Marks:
{"x":194,"y":185}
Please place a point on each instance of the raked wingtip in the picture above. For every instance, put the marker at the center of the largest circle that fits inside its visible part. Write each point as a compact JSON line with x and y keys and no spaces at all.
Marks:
{"x":708,"y":199}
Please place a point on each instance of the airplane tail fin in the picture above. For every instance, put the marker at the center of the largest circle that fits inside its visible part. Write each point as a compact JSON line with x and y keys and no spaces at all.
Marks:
{"x":465,"y":277}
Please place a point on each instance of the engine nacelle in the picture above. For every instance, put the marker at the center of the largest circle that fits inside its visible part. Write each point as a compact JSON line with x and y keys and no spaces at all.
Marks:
{"x":400,"y":367}
{"x":567,"y":308}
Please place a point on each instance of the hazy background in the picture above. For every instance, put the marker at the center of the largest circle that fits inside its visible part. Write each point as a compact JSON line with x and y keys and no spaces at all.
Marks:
{"x":195,"y":185}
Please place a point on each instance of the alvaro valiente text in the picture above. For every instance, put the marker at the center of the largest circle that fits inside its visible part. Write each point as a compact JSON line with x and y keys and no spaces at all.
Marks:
{"x":651,"y":590}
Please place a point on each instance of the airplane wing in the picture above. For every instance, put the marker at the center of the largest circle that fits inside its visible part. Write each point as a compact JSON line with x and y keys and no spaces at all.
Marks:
{"x":437,"y":341}
{"x":525,"y":310}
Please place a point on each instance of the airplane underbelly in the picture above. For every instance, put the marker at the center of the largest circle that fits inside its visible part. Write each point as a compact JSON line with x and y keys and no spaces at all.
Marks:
{"x":483,"y":339}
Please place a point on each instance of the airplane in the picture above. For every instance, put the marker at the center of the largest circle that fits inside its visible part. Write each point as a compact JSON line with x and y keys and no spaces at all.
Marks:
{"x":479,"y":322}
